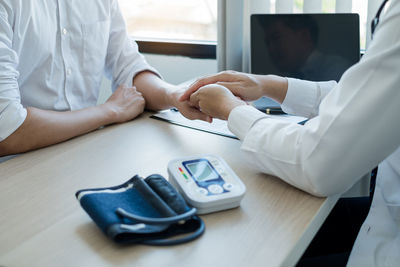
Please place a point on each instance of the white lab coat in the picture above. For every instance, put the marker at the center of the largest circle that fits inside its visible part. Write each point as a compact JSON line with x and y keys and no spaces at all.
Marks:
{"x":354,"y":126}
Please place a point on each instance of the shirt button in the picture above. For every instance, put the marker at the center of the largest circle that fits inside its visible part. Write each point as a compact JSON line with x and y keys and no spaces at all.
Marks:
{"x":65,"y":31}
{"x":69,"y":71}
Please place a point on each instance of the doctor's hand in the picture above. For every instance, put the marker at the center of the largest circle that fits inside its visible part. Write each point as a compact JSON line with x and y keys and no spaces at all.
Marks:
{"x":248,"y":87}
{"x":215,"y":100}
{"x":124,"y":104}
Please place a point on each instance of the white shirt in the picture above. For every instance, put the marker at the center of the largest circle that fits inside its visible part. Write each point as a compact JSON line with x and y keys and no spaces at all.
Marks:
{"x":354,"y":126}
{"x":54,"y":53}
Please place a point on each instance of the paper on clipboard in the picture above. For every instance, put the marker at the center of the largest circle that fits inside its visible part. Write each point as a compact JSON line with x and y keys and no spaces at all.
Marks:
{"x":218,"y":126}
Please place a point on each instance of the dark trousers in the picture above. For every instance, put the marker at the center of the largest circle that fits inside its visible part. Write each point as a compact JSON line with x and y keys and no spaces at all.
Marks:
{"x":333,"y":243}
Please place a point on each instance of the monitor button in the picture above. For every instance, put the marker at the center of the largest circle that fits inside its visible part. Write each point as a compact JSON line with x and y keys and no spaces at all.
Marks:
{"x":215,"y":189}
{"x":228,"y":186}
{"x":202,"y":191}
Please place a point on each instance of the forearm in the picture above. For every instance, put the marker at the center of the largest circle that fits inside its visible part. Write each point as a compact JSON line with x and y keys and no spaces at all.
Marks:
{"x":156,"y":92}
{"x":162,"y":95}
{"x":43,"y":128}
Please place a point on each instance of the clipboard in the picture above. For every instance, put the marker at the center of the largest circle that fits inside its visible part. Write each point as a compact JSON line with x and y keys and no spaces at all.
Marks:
{"x":219,"y":127}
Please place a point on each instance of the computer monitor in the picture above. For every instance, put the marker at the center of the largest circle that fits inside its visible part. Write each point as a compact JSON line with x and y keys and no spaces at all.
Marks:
{"x":316,"y":47}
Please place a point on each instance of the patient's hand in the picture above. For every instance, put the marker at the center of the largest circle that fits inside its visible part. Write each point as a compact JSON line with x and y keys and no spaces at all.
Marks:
{"x":215,"y":100}
{"x":125,"y":104}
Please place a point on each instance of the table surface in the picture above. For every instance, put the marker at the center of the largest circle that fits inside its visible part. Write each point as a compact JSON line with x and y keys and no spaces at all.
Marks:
{"x":42,"y":224}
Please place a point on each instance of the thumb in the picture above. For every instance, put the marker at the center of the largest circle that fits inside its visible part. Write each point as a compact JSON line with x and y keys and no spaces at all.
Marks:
{"x":191,"y":89}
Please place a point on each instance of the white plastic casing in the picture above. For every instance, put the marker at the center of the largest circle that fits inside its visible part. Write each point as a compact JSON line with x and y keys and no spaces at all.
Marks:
{"x":224,"y":192}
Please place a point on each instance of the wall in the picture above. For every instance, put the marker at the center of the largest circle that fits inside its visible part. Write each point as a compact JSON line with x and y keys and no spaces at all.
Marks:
{"x":174,"y":69}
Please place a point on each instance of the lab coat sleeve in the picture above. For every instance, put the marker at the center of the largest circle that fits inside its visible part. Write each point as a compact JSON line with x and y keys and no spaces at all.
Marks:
{"x":123,"y":61}
{"x":304,"y":97}
{"x":12,"y":113}
{"x":356,"y":128}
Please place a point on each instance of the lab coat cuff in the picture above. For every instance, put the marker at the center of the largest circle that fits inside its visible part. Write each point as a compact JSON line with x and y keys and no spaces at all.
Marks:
{"x":242,"y":118}
{"x":11,"y":119}
{"x":300,"y":97}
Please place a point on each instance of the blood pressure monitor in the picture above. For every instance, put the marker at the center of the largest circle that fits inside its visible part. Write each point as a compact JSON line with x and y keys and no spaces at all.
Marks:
{"x":206,"y":182}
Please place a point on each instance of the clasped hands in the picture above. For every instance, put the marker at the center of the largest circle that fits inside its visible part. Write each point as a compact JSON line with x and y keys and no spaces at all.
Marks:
{"x":213,"y":96}
{"x":217,"y":95}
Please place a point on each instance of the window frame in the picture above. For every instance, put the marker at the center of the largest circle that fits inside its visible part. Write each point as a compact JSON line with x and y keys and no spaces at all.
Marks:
{"x":192,"y":49}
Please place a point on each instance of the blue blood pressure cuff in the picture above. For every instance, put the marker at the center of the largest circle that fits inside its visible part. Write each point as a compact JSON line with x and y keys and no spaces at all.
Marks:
{"x":148,"y":211}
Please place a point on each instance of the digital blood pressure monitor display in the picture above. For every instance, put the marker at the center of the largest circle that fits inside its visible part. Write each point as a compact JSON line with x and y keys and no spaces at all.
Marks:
{"x":206,"y":182}
{"x":201,"y":170}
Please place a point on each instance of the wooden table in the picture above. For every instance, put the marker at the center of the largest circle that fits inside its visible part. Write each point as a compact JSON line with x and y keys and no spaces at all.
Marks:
{"x":42,"y":224}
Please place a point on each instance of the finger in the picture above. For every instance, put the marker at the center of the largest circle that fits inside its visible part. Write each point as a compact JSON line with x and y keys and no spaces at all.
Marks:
{"x":195,"y":114}
{"x":131,"y":92}
{"x":226,"y":76}
{"x":205,"y":81}
{"x":137,"y":92}
{"x":191,"y":89}
{"x":192,"y":105}
{"x":234,"y":87}
{"x":194,"y":99}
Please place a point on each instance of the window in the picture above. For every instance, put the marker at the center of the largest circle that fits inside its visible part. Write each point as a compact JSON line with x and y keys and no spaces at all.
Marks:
{"x":189,"y":27}
{"x":176,"y":20}
{"x":328,"y":6}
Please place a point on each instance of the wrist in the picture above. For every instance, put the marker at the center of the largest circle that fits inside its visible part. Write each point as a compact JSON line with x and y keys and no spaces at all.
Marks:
{"x":274,"y":87}
{"x":108,"y":114}
{"x":231,"y":106}
{"x":172,"y":95}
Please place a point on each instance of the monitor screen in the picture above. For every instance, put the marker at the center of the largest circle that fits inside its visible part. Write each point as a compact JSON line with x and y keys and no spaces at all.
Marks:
{"x":201,"y":171}
{"x":316,"y":47}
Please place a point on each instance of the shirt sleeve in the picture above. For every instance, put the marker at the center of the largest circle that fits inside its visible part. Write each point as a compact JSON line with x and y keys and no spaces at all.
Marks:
{"x":242,"y":118}
{"x":349,"y":137}
{"x":12,"y":113}
{"x":304,"y":97}
{"x":123,"y":61}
